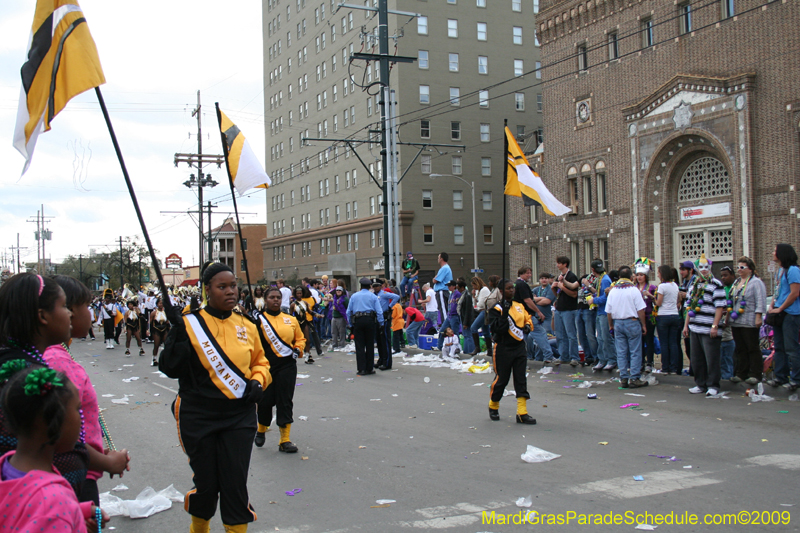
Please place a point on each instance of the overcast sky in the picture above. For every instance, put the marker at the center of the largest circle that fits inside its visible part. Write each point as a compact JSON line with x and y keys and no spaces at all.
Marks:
{"x":155,"y":57}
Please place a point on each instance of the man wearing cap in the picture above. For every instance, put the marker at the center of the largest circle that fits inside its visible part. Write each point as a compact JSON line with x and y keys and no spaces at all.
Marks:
{"x":410,"y":274}
{"x":339,"y":317}
{"x":452,"y":319}
{"x":386,"y":299}
{"x":362,"y":311}
{"x":606,"y":352}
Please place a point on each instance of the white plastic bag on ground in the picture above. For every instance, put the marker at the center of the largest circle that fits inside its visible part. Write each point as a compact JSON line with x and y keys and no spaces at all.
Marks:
{"x":545,"y":370}
{"x":537,"y":455}
{"x":524,"y":502}
{"x":585,"y":385}
{"x":757,"y":396}
{"x":147,"y":503}
{"x":651,"y":380}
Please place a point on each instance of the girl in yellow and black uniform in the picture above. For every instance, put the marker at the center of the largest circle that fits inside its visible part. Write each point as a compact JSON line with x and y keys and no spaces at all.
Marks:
{"x":283,"y":343}
{"x":219,"y":360}
{"x":301,"y":309}
{"x":510,"y":323}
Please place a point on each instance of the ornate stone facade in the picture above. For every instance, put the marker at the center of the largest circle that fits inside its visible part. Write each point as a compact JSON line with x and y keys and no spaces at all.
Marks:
{"x":670,"y":134}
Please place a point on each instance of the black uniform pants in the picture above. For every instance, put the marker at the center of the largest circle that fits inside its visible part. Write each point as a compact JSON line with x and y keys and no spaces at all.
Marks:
{"x":442,"y":297}
{"x":108,"y":329}
{"x":219,"y":444}
{"x":384,"y":350}
{"x":364,"y":333}
{"x":507,"y":362}
{"x":280,"y":393}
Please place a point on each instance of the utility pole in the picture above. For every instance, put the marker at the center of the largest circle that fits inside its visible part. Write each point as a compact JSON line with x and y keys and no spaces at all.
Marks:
{"x":80,"y":267}
{"x":121,"y":278}
{"x":202,"y":180}
{"x":42,"y":234}
{"x":210,"y":241}
{"x":17,"y":249}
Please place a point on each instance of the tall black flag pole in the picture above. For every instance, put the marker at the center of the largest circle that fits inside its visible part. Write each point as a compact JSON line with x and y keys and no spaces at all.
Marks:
{"x":164,"y":293}
{"x":233,"y":194}
{"x":505,"y":180}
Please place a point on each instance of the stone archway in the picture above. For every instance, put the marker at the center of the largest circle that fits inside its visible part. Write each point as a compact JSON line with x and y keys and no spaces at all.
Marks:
{"x":688,"y":198}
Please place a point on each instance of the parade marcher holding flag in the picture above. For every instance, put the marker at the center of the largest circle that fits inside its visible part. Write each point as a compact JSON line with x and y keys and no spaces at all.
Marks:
{"x":218,"y":358}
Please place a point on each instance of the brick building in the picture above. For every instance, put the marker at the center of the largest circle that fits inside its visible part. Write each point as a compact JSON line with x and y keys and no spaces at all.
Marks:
{"x":227,"y":249}
{"x":672,"y":128}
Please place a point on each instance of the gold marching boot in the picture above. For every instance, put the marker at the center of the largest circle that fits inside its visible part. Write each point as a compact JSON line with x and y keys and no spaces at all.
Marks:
{"x":199,"y":525}
{"x":522,"y":412}
{"x":240,"y":528}
{"x":285,"y":444}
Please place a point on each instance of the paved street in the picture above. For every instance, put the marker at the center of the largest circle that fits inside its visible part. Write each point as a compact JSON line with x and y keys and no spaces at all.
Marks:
{"x":432,"y":448}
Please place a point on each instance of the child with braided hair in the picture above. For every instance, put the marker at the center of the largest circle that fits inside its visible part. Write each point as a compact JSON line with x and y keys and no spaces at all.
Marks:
{"x":42,"y":409}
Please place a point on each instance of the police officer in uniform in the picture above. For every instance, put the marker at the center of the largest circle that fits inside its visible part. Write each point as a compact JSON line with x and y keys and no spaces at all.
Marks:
{"x":218,"y":358}
{"x":510,"y":323}
{"x":362,"y":311}
{"x":283,"y":341}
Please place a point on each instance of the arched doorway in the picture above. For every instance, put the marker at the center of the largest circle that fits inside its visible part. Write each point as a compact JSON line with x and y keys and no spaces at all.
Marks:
{"x":703,"y":216}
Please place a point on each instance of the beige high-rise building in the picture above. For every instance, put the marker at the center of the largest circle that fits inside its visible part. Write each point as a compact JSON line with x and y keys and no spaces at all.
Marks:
{"x":476,"y":65}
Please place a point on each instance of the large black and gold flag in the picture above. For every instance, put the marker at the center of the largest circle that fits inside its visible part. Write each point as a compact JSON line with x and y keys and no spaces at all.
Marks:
{"x":246,"y":171}
{"x":523,"y":182}
{"x":62,"y":62}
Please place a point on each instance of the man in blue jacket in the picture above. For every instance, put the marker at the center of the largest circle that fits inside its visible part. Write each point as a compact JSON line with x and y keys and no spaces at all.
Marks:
{"x":606,"y":351}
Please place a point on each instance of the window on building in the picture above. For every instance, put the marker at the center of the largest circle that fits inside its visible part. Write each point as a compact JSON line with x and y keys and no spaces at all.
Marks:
{"x":455,"y":94}
{"x":424,"y":94}
{"x":422,"y":25}
{"x":422,"y":59}
{"x":338,"y":244}
{"x":456,"y":165}
{"x":453,"y":62}
{"x":613,"y":46}
{"x":647,"y":32}
{"x":483,"y":98}
{"x":516,"y":5}
{"x":583,"y":57}
{"x":347,"y":211}
{"x":483,"y":65}
{"x":539,"y":102}
{"x":458,"y":200}
{"x":516,"y":34}
{"x":534,"y":214}
{"x":372,"y":238}
{"x":336,"y":215}
{"x":488,"y":235}
{"x":602,"y":245}
{"x":519,"y":69}
{"x":371,"y":205}
{"x":486,"y":166}
{"x":519,"y":101}
{"x":458,"y":234}
{"x":452,"y":28}
{"x":535,"y":6}
{"x":425,"y":129}
{"x":425,"y":164}
{"x":455,"y":131}
{"x":602,"y":198}
{"x":349,"y":242}
{"x":534,"y":264}
{"x":427,"y":199}
{"x":355,"y":210}
{"x":572,"y":184}
{"x":483,"y":32}
{"x":685,"y":17}
{"x":587,"y":194}
{"x":481,"y":3}
{"x":485,"y":137}
{"x":588,"y":255}
{"x":427,"y":234}
{"x":487,"y":200}
{"x":728,"y":9}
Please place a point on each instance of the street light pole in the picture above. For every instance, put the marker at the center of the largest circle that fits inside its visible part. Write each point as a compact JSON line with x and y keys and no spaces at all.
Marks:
{"x":474,"y":231}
